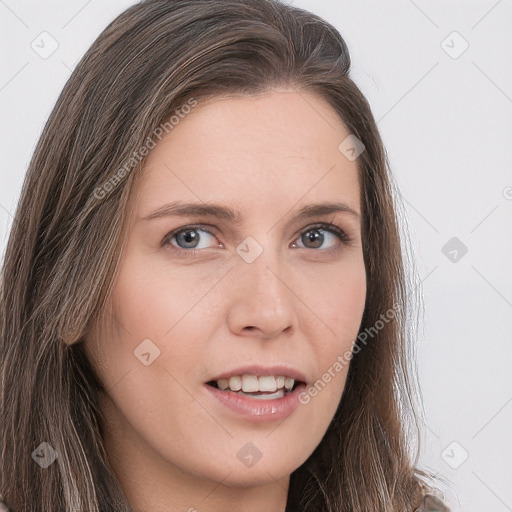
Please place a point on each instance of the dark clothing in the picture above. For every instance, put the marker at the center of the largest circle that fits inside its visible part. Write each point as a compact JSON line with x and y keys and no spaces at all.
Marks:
{"x":429,"y":503}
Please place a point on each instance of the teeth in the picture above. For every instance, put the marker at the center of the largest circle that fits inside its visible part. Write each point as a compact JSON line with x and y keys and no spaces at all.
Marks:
{"x":249,"y":383}
{"x":271,"y":396}
{"x":235,"y":383}
{"x":253,"y":384}
{"x":267,"y":383}
{"x":223,"y":384}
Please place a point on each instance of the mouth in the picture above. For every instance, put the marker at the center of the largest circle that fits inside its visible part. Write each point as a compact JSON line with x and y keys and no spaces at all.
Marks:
{"x":257,"y":393}
{"x":263,"y":387}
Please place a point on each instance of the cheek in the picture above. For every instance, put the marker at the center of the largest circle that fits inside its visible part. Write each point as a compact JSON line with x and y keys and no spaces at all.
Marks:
{"x":340,"y":304}
{"x":171,"y":309}
{"x":150,"y":302}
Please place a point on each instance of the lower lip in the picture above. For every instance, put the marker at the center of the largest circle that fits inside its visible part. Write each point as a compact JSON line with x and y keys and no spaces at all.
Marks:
{"x":259,"y":410}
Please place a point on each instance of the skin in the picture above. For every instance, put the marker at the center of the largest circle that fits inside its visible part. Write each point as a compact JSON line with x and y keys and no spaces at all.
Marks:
{"x":300,"y":303}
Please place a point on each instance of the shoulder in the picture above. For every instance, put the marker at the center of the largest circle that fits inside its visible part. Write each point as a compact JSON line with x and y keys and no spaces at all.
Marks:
{"x":430,"y":503}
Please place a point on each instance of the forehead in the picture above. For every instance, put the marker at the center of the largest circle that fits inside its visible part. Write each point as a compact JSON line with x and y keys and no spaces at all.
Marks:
{"x":267,"y":151}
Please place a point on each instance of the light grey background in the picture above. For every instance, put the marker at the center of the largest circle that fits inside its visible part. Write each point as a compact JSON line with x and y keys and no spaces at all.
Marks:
{"x":446,"y":119}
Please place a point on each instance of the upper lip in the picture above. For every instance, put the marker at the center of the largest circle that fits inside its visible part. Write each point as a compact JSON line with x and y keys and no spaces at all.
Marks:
{"x":261,"y":371}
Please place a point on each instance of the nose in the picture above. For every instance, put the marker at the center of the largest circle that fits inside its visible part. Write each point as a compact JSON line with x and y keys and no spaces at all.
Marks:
{"x":262,"y":303}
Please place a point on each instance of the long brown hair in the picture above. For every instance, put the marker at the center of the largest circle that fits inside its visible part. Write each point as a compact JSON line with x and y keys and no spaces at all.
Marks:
{"x":65,"y":244}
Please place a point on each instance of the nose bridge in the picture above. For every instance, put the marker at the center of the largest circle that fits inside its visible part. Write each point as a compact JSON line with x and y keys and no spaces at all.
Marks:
{"x":262,"y":299}
{"x":265,"y":275}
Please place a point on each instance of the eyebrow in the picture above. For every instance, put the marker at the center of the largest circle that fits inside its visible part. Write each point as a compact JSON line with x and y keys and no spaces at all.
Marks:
{"x":234,"y":216}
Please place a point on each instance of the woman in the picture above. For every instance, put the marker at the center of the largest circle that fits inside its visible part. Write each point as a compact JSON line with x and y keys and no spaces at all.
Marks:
{"x":135,"y":377}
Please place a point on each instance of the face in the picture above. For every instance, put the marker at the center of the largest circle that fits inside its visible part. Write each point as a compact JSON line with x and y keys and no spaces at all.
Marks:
{"x":240,"y":294}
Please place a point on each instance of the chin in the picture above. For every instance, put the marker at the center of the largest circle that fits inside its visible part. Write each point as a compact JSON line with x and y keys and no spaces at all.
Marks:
{"x":239,"y":475}
{"x":253,"y":477}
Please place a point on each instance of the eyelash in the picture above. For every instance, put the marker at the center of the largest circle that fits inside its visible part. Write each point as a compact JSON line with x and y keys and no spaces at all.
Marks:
{"x":345,"y":239}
